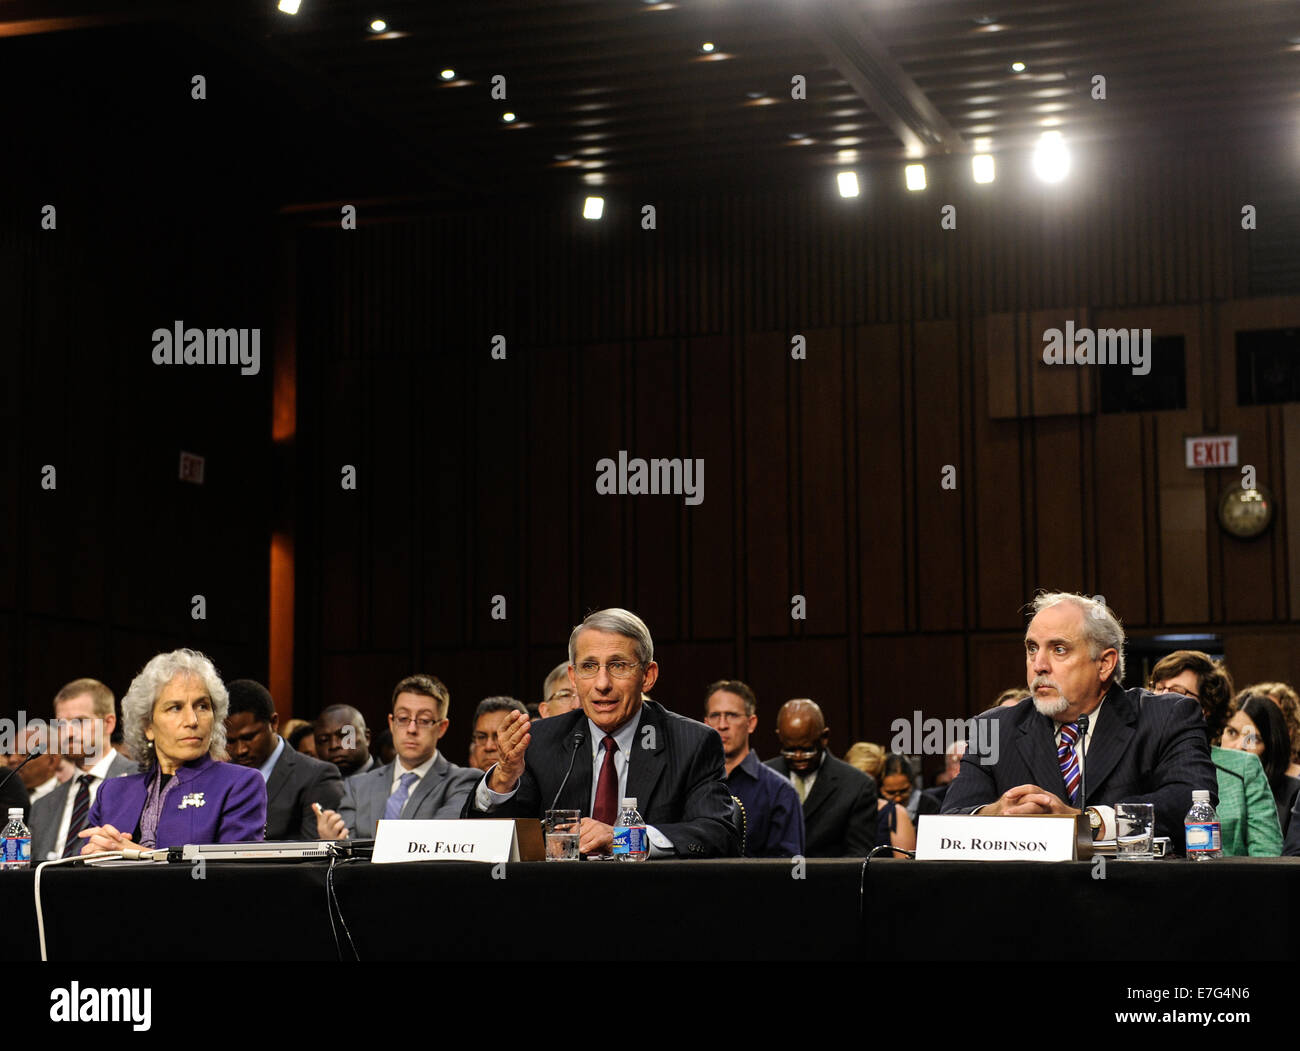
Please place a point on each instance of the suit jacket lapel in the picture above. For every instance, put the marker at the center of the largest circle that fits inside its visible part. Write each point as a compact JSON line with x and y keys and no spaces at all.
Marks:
{"x":646,"y":764}
{"x":279,"y":773}
{"x":578,"y":790}
{"x":428,"y":784}
{"x":1037,"y":744}
{"x":1110,"y":739}
{"x":823,"y":788}
{"x":372,"y":795}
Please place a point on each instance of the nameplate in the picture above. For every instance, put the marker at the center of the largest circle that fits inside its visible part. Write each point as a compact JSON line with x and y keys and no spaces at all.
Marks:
{"x":485,"y":840}
{"x":965,"y":837}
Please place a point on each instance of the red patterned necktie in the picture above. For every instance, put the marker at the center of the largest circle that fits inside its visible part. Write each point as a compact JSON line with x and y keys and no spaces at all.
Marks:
{"x":1069,"y":759}
{"x":606,"y":808}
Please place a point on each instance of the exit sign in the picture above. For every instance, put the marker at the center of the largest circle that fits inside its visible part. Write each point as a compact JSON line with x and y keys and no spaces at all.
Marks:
{"x":1214,"y":450}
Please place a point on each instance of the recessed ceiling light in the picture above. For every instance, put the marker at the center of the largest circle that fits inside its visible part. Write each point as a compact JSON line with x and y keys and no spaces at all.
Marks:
{"x":1017,"y":67}
{"x":290,"y":7}
{"x":378,"y":25}
{"x":707,"y":46}
{"x":593,"y":207}
{"x":981,"y":166}
{"x":984,"y":20}
{"x":508,"y":117}
{"x":448,"y":74}
{"x":848,"y":183}
{"x":914,"y":174}
{"x":753,"y":94}
{"x":1051,"y":158}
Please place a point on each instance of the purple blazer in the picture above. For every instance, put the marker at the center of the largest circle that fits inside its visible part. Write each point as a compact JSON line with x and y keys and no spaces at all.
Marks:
{"x":233,"y":810}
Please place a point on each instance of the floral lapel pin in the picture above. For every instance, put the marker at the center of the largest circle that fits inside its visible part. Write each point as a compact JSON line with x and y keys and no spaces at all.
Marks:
{"x":193,"y":799}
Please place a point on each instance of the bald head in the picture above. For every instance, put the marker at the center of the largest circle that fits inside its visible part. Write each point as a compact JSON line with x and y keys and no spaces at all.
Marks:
{"x":801,"y":729}
{"x":342,"y":738}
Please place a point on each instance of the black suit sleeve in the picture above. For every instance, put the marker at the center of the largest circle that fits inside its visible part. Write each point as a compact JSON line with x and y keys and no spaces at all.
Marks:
{"x":327,"y":790}
{"x":706,"y":829}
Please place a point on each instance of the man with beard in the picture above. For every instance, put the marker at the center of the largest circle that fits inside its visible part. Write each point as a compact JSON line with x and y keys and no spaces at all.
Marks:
{"x":1081,"y":732}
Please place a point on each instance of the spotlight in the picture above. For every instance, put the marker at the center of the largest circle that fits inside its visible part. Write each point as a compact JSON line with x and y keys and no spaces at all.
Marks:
{"x":508,"y":117}
{"x":378,"y":25}
{"x":290,"y":7}
{"x":1017,"y":67}
{"x":593,"y":208}
{"x":1051,"y":158}
{"x":706,"y":47}
{"x":448,"y":74}
{"x":848,"y":182}
{"x":915,"y":175}
{"x":981,"y":166}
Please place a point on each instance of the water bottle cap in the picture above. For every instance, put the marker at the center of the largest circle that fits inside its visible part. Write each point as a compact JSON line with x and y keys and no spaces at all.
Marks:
{"x":15,"y":812}
{"x":1200,"y":795}
{"x":629,"y":801}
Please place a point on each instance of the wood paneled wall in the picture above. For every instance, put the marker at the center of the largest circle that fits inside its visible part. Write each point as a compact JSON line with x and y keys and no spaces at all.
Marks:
{"x":476,"y":476}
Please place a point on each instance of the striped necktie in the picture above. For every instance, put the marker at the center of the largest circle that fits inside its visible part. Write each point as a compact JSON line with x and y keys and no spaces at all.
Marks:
{"x":80,"y":808}
{"x":1069,"y":759}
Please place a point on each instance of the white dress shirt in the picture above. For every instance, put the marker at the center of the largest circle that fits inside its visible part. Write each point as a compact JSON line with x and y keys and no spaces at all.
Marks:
{"x":97,"y":773}
{"x":269,"y":765}
{"x":418,"y":771}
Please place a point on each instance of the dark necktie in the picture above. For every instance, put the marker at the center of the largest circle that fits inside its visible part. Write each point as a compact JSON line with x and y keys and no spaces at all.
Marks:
{"x":606,"y":809}
{"x":80,"y":808}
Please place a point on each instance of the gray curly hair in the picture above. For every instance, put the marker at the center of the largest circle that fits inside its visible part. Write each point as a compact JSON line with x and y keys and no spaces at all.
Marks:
{"x":1101,"y":627}
{"x":137,"y":705}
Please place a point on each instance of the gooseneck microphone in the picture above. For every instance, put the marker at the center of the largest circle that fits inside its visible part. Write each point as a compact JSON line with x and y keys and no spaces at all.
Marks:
{"x":576,"y":738}
{"x":14,"y":769}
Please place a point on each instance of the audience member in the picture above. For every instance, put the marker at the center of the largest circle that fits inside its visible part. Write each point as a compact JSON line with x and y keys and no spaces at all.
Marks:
{"x":39,"y":777}
{"x":558,"y":693}
{"x":292,"y":726}
{"x":343,"y":739}
{"x":839,"y":802}
{"x":1258,"y":725}
{"x":385,"y":751}
{"x":293,"y":781}
{"x":1248,"y":819}
{"x":897,"y":783}
{"x":773,"y":816}
{"x":419,"y":784}
{"x":303,"y":740}
{"x":174,"y":716}
{"x":951,"y":767}
{"x":1281,"y":694}
{"x":1151,"y":748}
{"x":619,"y":745}
{"x":867,"y":757}
{"x":488,"y":717}
{"x":1009,"y":699}
{"x":85,"y":708}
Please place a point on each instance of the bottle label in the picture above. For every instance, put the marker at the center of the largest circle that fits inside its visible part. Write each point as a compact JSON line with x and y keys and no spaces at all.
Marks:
{"x":629,"y":840}
{"x":1203,"y":836}
{"x":18,"y":850}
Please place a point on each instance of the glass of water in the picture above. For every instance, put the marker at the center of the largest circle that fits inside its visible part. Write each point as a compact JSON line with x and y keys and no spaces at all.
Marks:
{"x":561,"y":827}
{"x":1135,"y":829}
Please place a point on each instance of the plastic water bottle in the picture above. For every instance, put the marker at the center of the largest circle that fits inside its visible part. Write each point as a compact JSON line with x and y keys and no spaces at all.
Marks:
{"x":630,"y":843}
{"x":1201,"y":826}
{"x":18,"y":842}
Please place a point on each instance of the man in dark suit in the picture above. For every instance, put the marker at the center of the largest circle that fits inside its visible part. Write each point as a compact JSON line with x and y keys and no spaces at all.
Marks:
{"x":293,"y":781}
{"x":1081,"y":739}
{"x":839,"y":801}
{"x":86,"y":714}
{"x":619,"y":744}
{"x":419,"y":784}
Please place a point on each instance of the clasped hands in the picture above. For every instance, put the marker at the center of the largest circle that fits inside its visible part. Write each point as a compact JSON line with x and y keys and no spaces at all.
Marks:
{"x":1027,"y":799}
{"x":513,"y":737}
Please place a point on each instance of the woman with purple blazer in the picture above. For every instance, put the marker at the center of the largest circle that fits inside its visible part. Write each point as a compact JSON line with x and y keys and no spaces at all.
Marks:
{"x":174,"y":720}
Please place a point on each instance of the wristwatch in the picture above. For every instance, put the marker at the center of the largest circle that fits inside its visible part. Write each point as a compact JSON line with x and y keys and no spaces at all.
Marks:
{"x":1094,"y":820}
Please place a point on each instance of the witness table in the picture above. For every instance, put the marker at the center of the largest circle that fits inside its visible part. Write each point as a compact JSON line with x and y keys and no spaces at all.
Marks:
{"x":689,"y":910}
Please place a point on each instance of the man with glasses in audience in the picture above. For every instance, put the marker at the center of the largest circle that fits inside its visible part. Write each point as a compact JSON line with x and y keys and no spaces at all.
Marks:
{"x":558,"y":694}
{"x":619,"y":744}
{"x":773,"y":816}
{"x":839,"y":801}
{"x":420,"y":783}
{"x":488,"y":717}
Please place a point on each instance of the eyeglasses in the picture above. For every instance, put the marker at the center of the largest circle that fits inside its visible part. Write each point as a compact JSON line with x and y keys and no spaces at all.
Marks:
{"x":478,"y":737}
{"x":616,"y":669}
{"x":799,"y":753}
{"x":559,"y":695}
{"x":1248,"y":737}
{"x":730,"y":717}
{"x":424,"y":722}
{"x":1162,"y":688}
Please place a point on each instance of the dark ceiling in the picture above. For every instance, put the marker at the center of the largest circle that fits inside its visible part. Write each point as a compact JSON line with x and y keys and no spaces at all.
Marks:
{"x":618,"y":92}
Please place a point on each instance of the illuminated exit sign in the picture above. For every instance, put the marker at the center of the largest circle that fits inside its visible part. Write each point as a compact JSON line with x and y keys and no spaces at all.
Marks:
{"x":1214,"y":450}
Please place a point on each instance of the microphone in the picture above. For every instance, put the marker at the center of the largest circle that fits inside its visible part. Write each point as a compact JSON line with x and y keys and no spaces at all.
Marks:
{"x":576,"y":738}
{"x":13,"y":770}
{"x":1083,"y":741}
